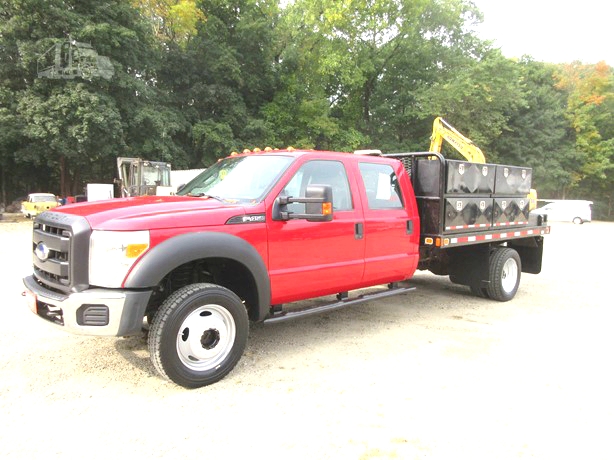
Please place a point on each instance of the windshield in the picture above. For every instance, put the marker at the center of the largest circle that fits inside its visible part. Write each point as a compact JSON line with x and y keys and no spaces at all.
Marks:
{"x":41,"y":198}
{"x":156,"y":175}
{"x":238,"y":179}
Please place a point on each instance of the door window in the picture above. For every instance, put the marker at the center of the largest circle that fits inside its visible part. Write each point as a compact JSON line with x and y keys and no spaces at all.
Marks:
{"x":381,"y":185}
{"x":320,"y":172}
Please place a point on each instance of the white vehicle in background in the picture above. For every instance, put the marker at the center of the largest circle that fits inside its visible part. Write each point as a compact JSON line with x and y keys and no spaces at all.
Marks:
{"x":97,"y":192}
{"x":576,"y":211}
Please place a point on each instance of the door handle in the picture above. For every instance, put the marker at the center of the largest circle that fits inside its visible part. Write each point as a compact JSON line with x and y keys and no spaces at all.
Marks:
{"x":359,"y":231}
{"x":409,"y":227}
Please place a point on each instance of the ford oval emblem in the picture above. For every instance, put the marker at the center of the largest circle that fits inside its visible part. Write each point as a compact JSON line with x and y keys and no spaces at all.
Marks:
{"x":42,"y":251}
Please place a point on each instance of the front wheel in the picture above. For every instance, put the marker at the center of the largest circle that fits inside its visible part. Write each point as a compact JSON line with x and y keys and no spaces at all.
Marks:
{"x":198,"y":335}
{"x":577,"y":220}
{"x":505,"y":268}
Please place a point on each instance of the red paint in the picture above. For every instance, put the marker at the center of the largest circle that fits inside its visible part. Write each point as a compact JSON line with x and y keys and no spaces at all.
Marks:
{"x":305,"y":259}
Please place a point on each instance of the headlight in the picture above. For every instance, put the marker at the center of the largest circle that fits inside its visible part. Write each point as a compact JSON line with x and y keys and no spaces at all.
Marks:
{"x":112,"y":255}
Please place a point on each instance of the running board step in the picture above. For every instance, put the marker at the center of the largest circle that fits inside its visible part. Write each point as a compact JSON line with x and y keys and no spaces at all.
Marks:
{"x":298,"y":313}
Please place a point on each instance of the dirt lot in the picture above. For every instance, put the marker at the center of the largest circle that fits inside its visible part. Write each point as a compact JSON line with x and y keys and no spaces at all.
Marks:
{"x":435,"y":373}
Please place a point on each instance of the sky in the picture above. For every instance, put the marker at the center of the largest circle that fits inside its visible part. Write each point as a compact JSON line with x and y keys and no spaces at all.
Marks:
{"x":554,"y":31}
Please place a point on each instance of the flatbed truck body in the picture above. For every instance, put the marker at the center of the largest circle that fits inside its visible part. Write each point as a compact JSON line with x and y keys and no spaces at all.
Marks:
{"x":257,"y":232}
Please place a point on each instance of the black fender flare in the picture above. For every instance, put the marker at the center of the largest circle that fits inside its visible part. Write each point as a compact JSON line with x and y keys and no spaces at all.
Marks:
{"x":181,"y":249}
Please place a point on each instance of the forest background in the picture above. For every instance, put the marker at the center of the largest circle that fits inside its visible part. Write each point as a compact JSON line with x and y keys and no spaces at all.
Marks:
{"x":194,"y":80}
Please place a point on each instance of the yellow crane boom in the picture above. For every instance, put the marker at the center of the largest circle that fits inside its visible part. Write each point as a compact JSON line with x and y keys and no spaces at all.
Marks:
{"x":442,"y":130}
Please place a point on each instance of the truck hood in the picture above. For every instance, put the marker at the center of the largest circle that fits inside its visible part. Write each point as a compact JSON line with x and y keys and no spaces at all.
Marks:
{"x":154,"y":212}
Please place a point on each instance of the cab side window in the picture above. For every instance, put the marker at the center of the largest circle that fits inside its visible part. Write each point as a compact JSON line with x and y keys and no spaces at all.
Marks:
{"x":382,"y":186}
{"x":320,"y":172}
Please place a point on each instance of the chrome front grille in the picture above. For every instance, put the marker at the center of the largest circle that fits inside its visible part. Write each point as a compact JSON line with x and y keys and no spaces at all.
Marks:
{"x":51,"y":247}
{"x":60,"y":244}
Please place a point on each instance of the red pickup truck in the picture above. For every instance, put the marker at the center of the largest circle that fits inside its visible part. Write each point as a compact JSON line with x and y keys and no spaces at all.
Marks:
{"x":258,"y":231}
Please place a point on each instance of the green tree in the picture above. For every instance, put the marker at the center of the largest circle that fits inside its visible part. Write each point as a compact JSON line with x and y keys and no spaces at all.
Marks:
{"x":172,"y":21}
{"x":479,"y":97}
{"x":363,"y":68}
{"x":72,"y":127}
{"x":590,"y":100}
{"x":11,"y":138}
{"x":537,"y":133}
{"x":223,"y":77}
{"x":76,"y":127}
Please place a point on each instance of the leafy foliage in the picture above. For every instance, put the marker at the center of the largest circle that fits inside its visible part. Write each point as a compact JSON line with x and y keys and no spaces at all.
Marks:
{"x":537,"y":133}
{"x":172,"y":21}
{"x":590,"y":100}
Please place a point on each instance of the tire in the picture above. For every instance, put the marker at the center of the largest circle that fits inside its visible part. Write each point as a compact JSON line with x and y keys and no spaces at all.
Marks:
{"x":577,"y":220}
{"x":198,"y":335}
{"x":504,"y":270}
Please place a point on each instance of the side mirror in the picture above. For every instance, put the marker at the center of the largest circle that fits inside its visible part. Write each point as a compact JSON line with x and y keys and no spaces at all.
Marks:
{"x":318,"y":202}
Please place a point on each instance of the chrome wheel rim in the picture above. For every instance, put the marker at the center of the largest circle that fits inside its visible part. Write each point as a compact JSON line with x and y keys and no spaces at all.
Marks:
{"x":509,"y":276}
{"x":206,"y":337}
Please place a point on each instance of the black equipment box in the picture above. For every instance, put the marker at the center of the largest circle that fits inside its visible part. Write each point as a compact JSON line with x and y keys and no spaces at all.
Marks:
{"x":511,"y":211}
{"x":474,"y":178}
{"x":512,"y":180}
{"x":467,"y":212}
{"x":475,"y":196}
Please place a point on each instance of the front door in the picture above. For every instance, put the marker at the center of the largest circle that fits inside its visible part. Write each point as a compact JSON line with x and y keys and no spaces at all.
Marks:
{"x":311,"y":259}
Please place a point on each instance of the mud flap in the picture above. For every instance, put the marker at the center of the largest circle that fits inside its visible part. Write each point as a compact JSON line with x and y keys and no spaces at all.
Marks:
{"x":469,"y":265}
{"x":530,"y":251}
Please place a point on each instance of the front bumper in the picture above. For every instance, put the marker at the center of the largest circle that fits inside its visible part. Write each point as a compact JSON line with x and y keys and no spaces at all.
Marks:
{"x":98,"y":311}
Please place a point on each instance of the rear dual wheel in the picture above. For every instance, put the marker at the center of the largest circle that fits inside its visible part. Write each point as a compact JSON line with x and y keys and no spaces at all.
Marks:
{"x":504,"y":270}
{"x":504,"y":273}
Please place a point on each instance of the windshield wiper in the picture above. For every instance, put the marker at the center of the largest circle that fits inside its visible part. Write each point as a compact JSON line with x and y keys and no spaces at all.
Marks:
{"x":204,"y":195}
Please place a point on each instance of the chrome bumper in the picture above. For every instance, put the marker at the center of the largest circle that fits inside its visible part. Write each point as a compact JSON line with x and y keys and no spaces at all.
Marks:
{"x":98,"y":311}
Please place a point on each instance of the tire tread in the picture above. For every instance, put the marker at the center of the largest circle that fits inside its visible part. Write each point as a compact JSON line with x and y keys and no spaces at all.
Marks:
{"x":164,"y":315}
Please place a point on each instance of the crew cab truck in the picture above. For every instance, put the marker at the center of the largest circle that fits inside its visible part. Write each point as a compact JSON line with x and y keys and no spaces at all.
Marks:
{"x":257,"y":232}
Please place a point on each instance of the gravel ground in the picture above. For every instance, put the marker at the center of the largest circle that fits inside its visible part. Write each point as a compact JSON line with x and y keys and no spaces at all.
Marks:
{"x":433,"y":374}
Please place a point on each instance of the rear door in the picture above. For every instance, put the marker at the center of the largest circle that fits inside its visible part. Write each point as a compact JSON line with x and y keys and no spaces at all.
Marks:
{"x":391,"y":224}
